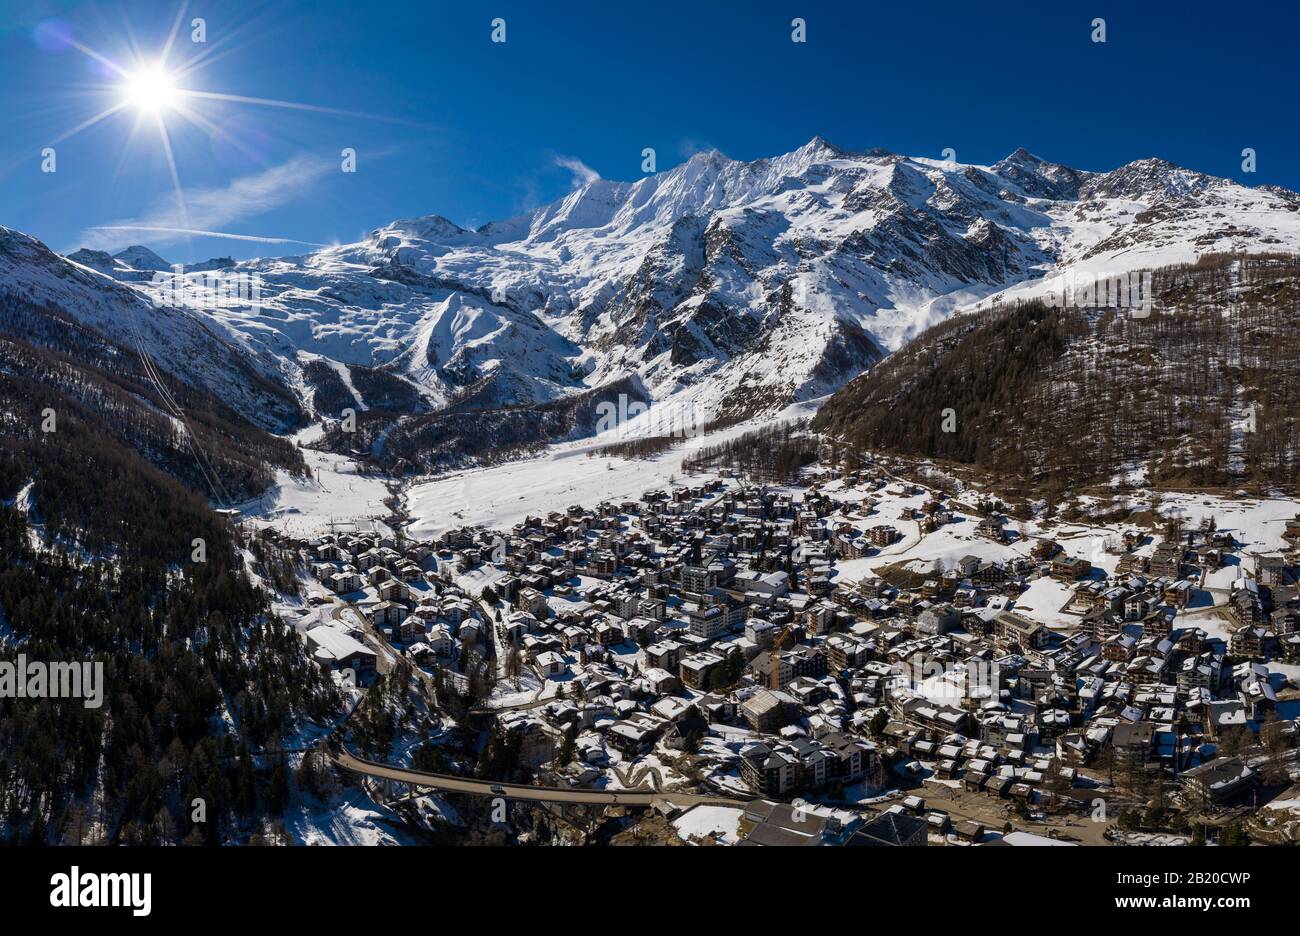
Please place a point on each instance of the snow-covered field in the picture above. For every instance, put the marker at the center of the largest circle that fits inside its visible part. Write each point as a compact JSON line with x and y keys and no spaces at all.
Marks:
{"x":1257,"y":524}
{"x":337,"y":496}
{"x":502,"y":495}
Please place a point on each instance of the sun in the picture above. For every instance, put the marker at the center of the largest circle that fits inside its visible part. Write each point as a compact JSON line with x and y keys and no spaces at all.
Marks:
{"x":150,"y":90}
{"x":164,"y":90}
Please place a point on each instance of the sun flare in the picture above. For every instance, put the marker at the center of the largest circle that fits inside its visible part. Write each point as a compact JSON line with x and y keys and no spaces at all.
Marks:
{"x":150,"y":90}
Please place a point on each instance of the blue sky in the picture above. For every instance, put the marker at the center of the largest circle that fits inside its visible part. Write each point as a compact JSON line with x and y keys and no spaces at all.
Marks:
{"x":444,"y":121}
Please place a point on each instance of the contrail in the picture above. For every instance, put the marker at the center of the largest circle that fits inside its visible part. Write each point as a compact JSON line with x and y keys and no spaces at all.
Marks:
{"x":190,"y":232}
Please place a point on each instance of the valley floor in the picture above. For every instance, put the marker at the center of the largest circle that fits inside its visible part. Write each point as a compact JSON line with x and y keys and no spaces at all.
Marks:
{"x":502,"y":495}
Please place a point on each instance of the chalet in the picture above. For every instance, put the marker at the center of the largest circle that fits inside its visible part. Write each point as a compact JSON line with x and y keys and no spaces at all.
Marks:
{"x":844,"y":651}
{"x":1069,"y":568}
{"x":937,"y":620}
{"x":1136,"y":607}
{"x":1013,"y":628}
{"x":1167,"y":562}
{"x":549,"y":663}
{"x":707,"y":623}
{"x":343,"y":582}
{"x":1248,"y":641}
{"x":779,"y":824}
{"x":767,"y":710}
{"x":440,"y":640}
{"x":666,"y":654}
{"x":1045,"y":549}
{"x":637,"y":733}
{"x":696,"y":669}
{"x":1178,"y":594}
{"x":883,"y":535}
{"x":1119,"y":648}
{"x":769,"y":769}
{"x":532,"y":601}
{"x":1217,"y":783}
{"x":1271,"y":571}
{"x":339,"y":651}
{"x":1133,"y":745}
{"x":767,"y":585}
{"x":660,"y":682}
{"x":993,"y":528}
{"x":1292,"y":532}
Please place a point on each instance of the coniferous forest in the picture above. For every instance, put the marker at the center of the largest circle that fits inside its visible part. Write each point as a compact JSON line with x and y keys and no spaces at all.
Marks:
{"x":102,"y":503}
{"x":1204,"y":392}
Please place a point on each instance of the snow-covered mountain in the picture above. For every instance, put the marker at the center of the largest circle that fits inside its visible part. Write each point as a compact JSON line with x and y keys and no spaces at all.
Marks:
{"x":184,"y":344}
{"x":736,"y":286}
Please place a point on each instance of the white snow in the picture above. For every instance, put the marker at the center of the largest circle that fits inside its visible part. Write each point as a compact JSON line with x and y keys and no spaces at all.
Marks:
{"x":500,"y":496}
{"x":703,"y":821}
{"x":337,"y":496}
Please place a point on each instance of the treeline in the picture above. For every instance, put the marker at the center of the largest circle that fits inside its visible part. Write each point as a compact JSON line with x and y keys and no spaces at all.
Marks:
{"x":644,"y":447}
{"x":980,"y":368}
{"x":1203,"y":392}
{"x":50,"y":364}
{"x":650,"y":446}
{"x":775,"y":453}
{"x":379,"y":389}
{"x":466,"y":433}
{"x":279,"y":566}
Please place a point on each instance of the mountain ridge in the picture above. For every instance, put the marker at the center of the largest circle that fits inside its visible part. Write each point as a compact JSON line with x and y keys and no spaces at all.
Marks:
{"x":732,"y":287}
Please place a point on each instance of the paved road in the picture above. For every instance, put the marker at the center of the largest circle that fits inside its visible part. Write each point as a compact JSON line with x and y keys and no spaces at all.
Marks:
{"x":535,"y":794}
{"x":631,"y":777}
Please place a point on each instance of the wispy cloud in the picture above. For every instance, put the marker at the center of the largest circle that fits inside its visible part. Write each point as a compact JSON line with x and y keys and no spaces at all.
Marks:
{"x":208,"y":210}
{"x":192,"y":232}
{"x":582,"y":173}
{"x":689,"y":146}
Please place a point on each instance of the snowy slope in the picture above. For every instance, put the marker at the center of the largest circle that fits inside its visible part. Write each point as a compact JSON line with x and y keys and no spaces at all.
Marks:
{"x":180,"y":342}
{"x":736,"y":286}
